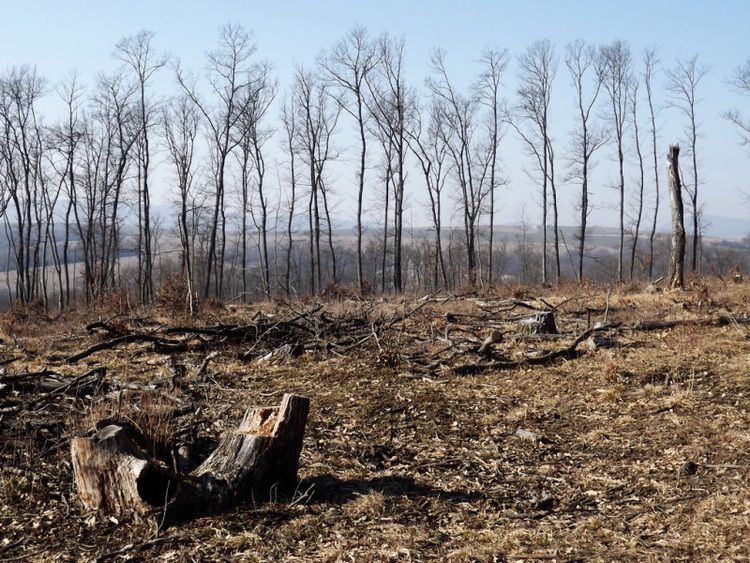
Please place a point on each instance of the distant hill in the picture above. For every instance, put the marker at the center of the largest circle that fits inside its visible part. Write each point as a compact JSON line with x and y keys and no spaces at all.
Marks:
{"x":717,"y":226}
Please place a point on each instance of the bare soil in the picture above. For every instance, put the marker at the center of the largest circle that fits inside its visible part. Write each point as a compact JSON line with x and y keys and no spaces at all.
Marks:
{"x":633,"y":446}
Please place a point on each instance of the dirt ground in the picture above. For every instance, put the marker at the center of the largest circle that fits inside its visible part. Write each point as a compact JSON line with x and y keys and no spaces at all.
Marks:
{"x":628,"y":445}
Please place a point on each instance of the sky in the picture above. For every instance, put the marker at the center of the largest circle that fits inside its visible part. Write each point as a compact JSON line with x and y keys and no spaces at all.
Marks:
{"x":59,"y":37}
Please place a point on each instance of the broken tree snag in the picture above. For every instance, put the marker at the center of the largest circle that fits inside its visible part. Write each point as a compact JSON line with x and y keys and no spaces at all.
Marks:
{"x":258,"y":458}
{"x":677,"y":254}
{"x":115,"y":474}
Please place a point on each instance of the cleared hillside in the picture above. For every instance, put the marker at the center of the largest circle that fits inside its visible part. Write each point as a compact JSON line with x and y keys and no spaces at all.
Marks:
{"x":630,"y":445}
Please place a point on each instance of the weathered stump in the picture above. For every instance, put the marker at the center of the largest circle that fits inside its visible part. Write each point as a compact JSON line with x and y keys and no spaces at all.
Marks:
{"x":114,"y":474}
{"x":541,"y":323}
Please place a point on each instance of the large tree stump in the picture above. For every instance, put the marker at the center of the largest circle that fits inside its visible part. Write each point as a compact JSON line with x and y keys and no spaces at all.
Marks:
{"x":114,"y":474}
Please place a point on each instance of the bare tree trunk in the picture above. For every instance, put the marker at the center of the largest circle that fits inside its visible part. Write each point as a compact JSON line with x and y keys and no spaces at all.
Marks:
{"x":331,"y":249}
{"x":555,"y":214}
{"x":677,"y":256}
{"x":641,"y":176}
{"x":384,"y":256}
{"x":290,"y":129}
{"x":650,"y":61}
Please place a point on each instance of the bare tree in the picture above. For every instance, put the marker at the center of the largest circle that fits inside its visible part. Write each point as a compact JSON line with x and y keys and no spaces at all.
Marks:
{"x":253,"y":135}
{"x":181,"y":121}
{"x":137,"y":53}
{"x":65,"y":138}
{"x":430,"y":147}
{"x":650,"y":62}
{"x":740,"y":83}
{"x":347,"y":66}
{"x":488,"y":90}
{"x":21,"y":146}
{"x":316,"y":117}
{"x":641,"y":181}
{"x":459,"y":114}
{"x":536,"y":72}
{"x":391,"y":105}
{"x":107,"y":143}
{"x":288,"y":113}
{"x":228,"y":76}
{"x":587,"y":137}
{"x":682,"y":85}
{"x":614,"y":67}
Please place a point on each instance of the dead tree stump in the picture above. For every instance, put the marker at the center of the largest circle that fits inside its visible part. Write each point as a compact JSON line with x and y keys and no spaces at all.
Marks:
{"x":542,"y":322}
{"x":114,"y":474}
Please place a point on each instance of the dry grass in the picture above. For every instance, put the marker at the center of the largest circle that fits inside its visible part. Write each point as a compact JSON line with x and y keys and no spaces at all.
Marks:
{"x":400,"y":467}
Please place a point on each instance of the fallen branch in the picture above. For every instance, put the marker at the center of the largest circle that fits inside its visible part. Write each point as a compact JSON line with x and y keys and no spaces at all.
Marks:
{"x":83,"y":384}
{"x":135,"y":547}
{"x":471,"y":369}
{"x":721,"y":320}
{"x":115,"y":342}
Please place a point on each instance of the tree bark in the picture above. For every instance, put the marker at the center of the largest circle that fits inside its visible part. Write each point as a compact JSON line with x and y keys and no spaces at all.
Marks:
{"x":677,"y":255}
{"x":114,"y":473}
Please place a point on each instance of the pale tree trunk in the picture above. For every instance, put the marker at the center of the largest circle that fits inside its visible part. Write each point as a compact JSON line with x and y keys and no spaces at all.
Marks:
{"x":290,"y":130}
{"x":641,"y":176}
{"x":650,"y":61}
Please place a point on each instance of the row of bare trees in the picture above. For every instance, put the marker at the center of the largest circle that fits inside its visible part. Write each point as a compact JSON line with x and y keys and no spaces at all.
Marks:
{"x":254,"y":175}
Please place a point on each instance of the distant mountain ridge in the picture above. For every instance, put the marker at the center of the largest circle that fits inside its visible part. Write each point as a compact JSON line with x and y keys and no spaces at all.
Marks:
{"x":715,"y":226}
{"x":732,"y":228}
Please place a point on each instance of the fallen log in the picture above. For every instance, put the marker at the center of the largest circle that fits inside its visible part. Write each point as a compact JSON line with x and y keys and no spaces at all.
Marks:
{"x":114,"y":473}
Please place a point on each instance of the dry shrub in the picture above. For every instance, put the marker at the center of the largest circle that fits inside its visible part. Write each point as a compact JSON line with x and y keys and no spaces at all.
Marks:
{"x":149,"y":412}
{"x":211,"y":306}
{"x":338,"y":292}
{"x":628,"y":288}
{"x":116,"y":301}
{"x":23,"y":319}
{"x":172,"y":296}
{"x":519,"y":291}
{"x":701,"y":291}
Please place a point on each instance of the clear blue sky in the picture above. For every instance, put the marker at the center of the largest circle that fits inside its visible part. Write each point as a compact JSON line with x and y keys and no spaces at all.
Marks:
{"x":58,"y":36}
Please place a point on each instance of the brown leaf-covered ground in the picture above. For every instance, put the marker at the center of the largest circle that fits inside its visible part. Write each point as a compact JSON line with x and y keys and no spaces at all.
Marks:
{"x":634,"y":446}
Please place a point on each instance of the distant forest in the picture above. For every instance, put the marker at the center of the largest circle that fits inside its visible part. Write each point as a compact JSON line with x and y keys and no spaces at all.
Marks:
{"x":254,"y":203}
